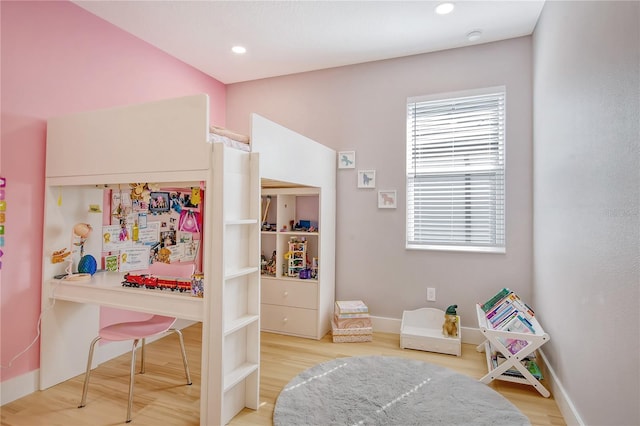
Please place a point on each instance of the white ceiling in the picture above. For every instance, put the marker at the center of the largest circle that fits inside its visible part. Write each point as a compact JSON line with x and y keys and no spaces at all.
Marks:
{"x":286,"y":37}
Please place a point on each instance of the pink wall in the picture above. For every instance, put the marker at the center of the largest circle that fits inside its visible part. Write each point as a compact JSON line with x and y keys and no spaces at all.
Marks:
{"x":57,"y":59}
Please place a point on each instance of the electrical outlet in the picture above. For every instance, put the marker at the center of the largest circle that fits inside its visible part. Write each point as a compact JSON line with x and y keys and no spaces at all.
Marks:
{"x":431,"y":294}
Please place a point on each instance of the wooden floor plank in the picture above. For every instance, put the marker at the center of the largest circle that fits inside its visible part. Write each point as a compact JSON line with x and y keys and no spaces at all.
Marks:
{"x":162,"y":397}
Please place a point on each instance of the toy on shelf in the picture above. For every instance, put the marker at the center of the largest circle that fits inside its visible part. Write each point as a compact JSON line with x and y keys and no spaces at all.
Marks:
{"x":156,"y":282}
{"x":270,"y":266}
{"x":265,"y":210}
{"x":59,"y":256}
{"x":450,"y":326}
{"x":296,"y":258}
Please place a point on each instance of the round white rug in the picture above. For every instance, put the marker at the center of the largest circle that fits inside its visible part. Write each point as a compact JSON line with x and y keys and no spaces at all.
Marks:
{"x":379,"y":390}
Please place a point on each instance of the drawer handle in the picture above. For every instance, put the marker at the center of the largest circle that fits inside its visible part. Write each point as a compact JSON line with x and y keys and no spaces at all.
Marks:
{"x":285,"y":319}
{"x":285,"y":294}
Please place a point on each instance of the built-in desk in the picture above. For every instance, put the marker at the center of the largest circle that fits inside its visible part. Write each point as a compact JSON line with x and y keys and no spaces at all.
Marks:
{"x":106,"y":289}
{"x":71,"y":320}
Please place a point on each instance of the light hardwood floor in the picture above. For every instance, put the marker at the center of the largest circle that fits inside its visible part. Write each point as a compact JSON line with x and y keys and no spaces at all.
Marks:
{"x":162,"y":398}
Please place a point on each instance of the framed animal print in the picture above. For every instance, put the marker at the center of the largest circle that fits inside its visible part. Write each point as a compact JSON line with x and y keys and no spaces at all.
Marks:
{"x":346,"y":160}
{"x":387,"y":199}
{"x":366,"y":178}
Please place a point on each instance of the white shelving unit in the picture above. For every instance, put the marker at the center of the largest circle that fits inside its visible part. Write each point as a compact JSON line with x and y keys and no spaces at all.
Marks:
{"x":290,"y":304}
{"x":493,"y":343}
{"x":300,"y":307}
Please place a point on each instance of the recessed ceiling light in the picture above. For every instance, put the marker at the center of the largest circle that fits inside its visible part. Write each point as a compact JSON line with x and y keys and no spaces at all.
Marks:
{"x":474,"y":35}
{"x":239,"y":50}
{"x":444,"y":8}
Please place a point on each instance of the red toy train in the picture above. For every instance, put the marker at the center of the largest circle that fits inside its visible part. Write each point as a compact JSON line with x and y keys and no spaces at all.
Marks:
{"x":154,"y":282}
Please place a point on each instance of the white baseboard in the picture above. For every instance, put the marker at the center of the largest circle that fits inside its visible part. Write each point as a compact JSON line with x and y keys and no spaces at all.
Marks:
{"x":20,"y":386}
{"x":568,"y":410}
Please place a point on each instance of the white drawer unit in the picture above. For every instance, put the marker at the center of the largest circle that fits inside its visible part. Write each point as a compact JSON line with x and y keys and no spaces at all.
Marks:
{"x":289,"y":320}
{"x":288,"y":293}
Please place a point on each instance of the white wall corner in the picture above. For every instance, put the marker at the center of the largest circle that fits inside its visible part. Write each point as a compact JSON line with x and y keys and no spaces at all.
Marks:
{"x":16,"y":388}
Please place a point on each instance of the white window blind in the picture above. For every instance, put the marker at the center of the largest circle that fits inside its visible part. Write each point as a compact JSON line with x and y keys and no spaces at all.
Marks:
{"x":456,"y":171}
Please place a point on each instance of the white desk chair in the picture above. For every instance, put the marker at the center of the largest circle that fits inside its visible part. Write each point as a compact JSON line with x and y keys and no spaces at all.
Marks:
{"x":140,"y":330}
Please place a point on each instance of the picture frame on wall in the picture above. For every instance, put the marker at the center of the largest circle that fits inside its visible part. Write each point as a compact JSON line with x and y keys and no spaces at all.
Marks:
{"x":366,"y":179}
{"x":387,"y":199}
{"x":347,"y":160}
{"x":159,"y":202}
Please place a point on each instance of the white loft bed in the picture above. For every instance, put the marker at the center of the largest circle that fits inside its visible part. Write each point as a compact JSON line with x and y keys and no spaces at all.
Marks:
{"x":169,"y":142}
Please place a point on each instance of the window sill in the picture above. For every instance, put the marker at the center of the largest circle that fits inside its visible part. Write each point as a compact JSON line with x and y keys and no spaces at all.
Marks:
{"x":466,"y":249}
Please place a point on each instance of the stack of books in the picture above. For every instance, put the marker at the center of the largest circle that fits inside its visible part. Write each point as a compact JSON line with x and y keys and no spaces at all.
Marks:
{"x":351,"y":322}
{"x":507,"y":312}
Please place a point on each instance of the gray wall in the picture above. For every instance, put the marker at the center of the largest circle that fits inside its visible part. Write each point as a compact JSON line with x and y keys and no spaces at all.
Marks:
{"x":363,"y":108}
{"x":586,"y":156}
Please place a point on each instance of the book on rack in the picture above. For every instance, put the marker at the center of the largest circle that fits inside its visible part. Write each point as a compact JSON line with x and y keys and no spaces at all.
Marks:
{"x":510,"y":313}
{"x":486,"y":306}
{"x":510,"y":299}
{"x":504,"y":319}
{"x":519,"y":324}
{"x":529,"y":363}
{"x":513,"y":345}
{"x":503,"y":297}
{"x":350,"y":308}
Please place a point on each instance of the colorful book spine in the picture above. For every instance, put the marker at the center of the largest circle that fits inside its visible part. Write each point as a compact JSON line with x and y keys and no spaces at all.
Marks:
{"x":498,"y":309}
{"x":495,"y":299}
{"x":505,"y":319}
{"x":506,"y":309}
{"x":521,"y":306}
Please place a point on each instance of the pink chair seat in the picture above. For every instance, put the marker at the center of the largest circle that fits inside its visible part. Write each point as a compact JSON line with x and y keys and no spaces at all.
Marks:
{"x":137,"y":330}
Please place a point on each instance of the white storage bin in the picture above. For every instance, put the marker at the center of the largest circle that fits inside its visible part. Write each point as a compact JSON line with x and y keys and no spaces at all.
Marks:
{"x":422,"y":329}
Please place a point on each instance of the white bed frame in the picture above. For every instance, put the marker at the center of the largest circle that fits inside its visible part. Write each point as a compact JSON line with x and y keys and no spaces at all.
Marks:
{"x":165,"y":142}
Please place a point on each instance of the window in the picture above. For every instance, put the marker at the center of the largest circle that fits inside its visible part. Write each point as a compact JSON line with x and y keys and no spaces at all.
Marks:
{"x":455,"y":171}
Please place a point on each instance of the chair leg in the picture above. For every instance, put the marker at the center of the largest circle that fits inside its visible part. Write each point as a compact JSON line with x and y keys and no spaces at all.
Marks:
{"x":85,"y":388}
{"x":184,"y":354}
{"x":131,"y":379}
{"x":142,"y":364}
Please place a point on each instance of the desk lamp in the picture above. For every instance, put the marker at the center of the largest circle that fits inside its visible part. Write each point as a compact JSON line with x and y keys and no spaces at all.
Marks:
{"x":87,"y":265}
